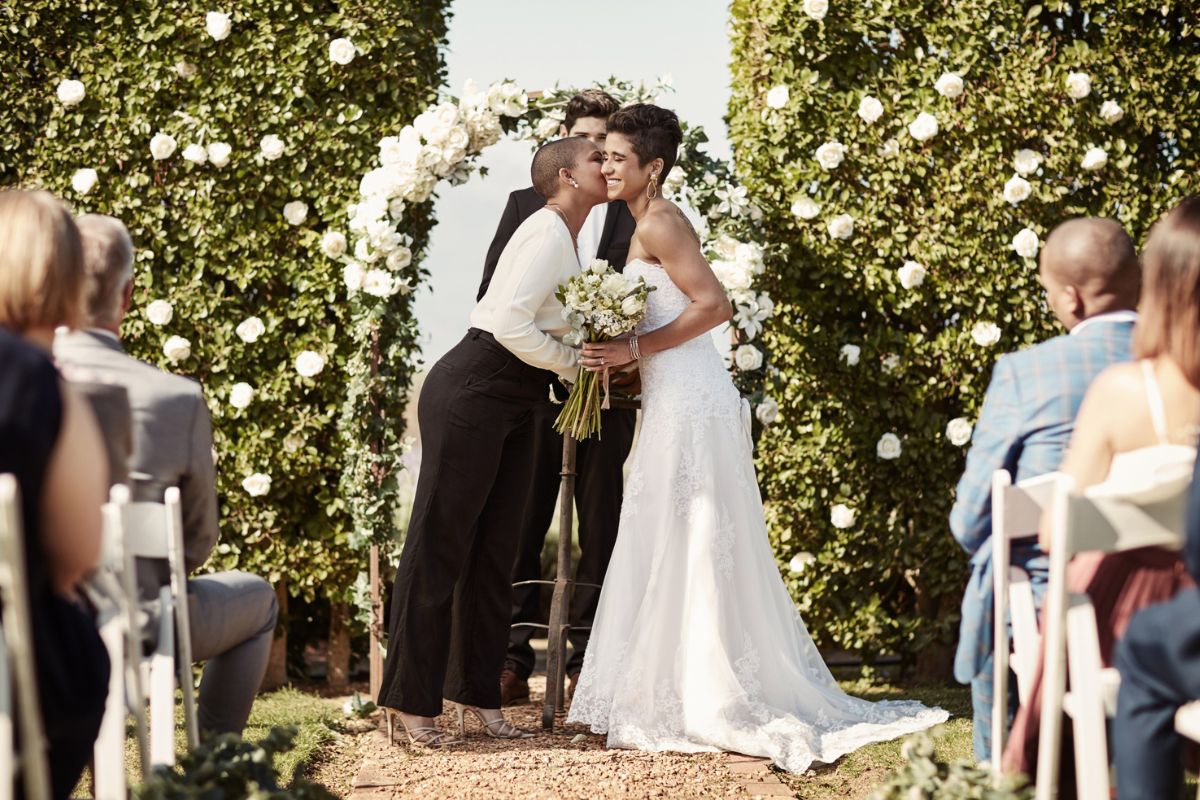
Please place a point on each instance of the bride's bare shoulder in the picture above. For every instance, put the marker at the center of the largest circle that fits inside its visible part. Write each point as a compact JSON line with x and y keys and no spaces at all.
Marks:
{"x":665,"y":224}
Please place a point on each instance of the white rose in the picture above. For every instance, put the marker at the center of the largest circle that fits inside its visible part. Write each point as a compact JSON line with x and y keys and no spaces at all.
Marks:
{"x":83,"y":180}
{"x":1017,"y":189}
{"x":333,"y":244}
{"x":271,"y":146}
{"x":547,"y":127}
{"x":817,"y":9}
{"x":218,"y":154}
{"x":177,"y":349}
{"x":889,"y":149}
{"x":924,"y":127}
{"x":217,"y":24}
{"x":249,"y":329}
{"x":195,"y":153}
{"x":185,"y":69}
{"x":341,"y":51}
{"x":767,"y":411}
{"x":1079,"y":85}
{"x":842,"y":516}
{"x":378,"y":283}
{"x":841,"y":226}
{"x":240,"y":395}
{"x":985,"y":334}
{"x":778,"y":96}
{"x":958,"y":431}
{"x":830,"y":155}
{"x":162,"y":145}
{"x":911,"y":274}
{"x":1094,"y":159}
{"x":891,"y":362}
{"x":1111,"y":111}
{"x":888,"y":447}
{"x":399,"y":258}
{"x":70,"y":92}
{"x":257,"y":485}
{"x":1026,"y":243}
{"x":1026,"y":161}
{"x":353,"y":276}
{"x":160,"y":312}
{"x":870,"y":109}
{"x":805,"y":208}
{"x":295,"y":212}
{"x":802,"y":560}
{"x":949,"y":85}
{"x":850,"y":354}
{"x":748,"y":358}
{"x":309,"y":363}
{"x":631,"y":306}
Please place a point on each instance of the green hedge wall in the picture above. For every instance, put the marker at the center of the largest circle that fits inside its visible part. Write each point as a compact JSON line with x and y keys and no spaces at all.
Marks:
{"x":1061,"y":81}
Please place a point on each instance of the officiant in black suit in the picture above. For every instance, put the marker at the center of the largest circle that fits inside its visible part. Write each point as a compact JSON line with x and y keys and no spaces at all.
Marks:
{"x":599,"y":462}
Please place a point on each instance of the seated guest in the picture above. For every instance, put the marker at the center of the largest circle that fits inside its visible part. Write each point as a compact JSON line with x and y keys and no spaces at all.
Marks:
{"x":233,"y":613}
{"x":1137,"y":421}
{"x":49,"y":441}
{"x":1090,"y":273}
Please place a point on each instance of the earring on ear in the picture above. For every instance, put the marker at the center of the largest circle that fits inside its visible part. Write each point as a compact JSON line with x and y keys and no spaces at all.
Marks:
{"x":652,"y":189}
{"x":573,"y":182}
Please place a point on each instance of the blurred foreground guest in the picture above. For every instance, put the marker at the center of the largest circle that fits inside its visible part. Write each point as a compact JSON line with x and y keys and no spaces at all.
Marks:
{"x":233,"y":613}
{"x":49,"y":441}
{"x":1136,"y":430}
{"x":1090,"y":272}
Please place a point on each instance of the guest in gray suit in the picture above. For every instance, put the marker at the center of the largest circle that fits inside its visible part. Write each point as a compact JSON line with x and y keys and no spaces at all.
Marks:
{"x":233,"y":613}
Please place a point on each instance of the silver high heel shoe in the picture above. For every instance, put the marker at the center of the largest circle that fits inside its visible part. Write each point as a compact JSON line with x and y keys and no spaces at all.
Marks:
{"x":423,"y":736}
{"x":497,"y":728}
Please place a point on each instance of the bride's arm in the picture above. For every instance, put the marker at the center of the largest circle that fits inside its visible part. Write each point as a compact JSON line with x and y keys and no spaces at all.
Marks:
{"x":673,"y":243}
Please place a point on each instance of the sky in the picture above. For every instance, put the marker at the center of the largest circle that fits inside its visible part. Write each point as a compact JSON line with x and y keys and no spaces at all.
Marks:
{"x":538,"y":43}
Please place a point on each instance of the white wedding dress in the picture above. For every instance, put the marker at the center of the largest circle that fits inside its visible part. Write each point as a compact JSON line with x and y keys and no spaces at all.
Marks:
{"x":696,"y":645}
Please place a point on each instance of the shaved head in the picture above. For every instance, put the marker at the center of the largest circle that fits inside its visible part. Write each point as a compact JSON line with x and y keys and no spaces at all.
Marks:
{"x":553,"y":157}
{"x":1089,"y":266}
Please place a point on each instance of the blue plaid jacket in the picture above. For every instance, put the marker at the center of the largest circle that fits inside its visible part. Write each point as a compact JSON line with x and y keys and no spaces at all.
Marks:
{"x":1027,"y":418}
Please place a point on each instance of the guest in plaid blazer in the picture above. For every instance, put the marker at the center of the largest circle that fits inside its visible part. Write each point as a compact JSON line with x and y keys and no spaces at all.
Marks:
{"x":1091,"y":277}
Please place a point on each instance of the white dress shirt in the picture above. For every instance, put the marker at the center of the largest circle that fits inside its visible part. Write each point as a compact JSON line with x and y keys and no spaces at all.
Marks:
{"x":590,"y":233}
{"x":520,"y":308}
{"x":1111,"y":316}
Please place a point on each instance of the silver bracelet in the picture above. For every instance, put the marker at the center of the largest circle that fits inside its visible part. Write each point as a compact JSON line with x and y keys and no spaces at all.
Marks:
{"x":634,"y":350}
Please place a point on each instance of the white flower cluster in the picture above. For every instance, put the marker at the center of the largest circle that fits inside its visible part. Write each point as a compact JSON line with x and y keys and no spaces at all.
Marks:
{"x":601,"y":302}
{"x":736,"y":265}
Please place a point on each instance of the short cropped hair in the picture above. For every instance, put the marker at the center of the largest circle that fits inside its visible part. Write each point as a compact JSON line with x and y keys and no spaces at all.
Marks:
{"x":1169,"y":316}
{"x":41,"y":264}
{"x":589,"y":103}
{"x":653,"y":132}
{"x":107,"y":265}
{"x":552,"y":157}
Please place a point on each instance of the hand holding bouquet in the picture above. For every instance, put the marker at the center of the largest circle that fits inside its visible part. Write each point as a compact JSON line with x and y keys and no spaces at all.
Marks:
{"x":600,"y":304}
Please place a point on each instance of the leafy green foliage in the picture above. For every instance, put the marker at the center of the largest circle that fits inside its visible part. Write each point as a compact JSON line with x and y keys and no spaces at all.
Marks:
{"x":926,"y":777}
{"x":891,"y":581}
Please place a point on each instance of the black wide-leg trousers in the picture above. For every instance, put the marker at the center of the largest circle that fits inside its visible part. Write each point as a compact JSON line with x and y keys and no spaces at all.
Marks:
{"x":599,"y":464}
{"x":452,"y":598}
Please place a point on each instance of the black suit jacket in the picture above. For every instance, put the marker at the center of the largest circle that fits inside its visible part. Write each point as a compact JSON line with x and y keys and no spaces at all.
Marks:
{"x":614,"y":239}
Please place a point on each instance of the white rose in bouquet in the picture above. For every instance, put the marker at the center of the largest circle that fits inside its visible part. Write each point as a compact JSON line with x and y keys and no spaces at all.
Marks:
{"x":748,"y":358}
{"x":353,"y":276}
{"x":805,"y":208}
{"x":850,"y":353}
{"x":817,"y":9}
{"x":378,"y":283}
{"x":162,"y":145}
{"x":160,"y":312}
{"x":177,"y":349}
{"x":70,"y":92}
{"x":218,"y":25}
{"x":842,"y":516}
{"x":1094,"y":159}
{"x":830,"y":155}
{"x":185,"y":69}
{"x":342,"y":51}
{"x":778,"y":96}
{"x":271,"y":146}
{"x":84,"y":179}
{"x":633,"y":306}
{"x":195,"y":153}
{"x":870,"y":109}
{"x":911,"y":275}
{"x":767,"y":411}
{"x":310,"y":363}
{"x":295,"y":212}
{"x":1079,"y":85}
{"x":1111,"y":111}
{"x":218,"y":154}
{"x":1026,"y":243}
{"x":924,"y":127}
{"x":801,"y":560}
{"x":249,"y":329}
{"x":958,"y":431}
{"x":1026,"y":161}
{"x":950,"y":85}
{"x":399,"y":258}
{"x":1017,"y":189}
{"x":985,"y":334}
{"x":888,"y":447}
{"x":240,"y":395}
{"x":841,"y":226}
{"x":333,"y":244}
{"x":257,"y":485}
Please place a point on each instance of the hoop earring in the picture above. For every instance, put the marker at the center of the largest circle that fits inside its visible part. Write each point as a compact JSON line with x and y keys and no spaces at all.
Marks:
{"x":652,"y":189}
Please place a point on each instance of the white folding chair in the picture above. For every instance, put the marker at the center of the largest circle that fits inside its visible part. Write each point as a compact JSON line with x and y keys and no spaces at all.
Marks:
{"x":16,"y":660}
{"x":1016,"y":513}
{"x":1081,"y":524}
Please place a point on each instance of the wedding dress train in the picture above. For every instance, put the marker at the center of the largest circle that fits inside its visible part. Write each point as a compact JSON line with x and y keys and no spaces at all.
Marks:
{"x":696,"y":645}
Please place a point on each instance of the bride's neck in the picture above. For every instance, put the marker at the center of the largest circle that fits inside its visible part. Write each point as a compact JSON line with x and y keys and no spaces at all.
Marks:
{"x":638,"y":206}
{"x":576,"y":211}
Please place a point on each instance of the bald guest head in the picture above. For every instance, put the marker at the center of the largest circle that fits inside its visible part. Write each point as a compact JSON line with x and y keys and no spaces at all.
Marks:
{"x":552,"y":158}
{"x":1088,"y":266}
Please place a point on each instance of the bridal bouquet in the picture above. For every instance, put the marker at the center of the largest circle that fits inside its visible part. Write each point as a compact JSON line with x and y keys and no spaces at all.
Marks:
{"x":600,"y":304}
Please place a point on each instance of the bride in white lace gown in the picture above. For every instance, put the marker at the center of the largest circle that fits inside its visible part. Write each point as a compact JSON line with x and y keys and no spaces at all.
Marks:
{"x":696,"y":645}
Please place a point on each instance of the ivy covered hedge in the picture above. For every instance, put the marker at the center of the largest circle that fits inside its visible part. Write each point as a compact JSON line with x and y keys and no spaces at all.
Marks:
{"x":909,"y":158}
{"x":231,"y":140}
